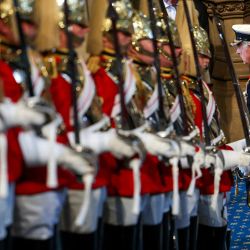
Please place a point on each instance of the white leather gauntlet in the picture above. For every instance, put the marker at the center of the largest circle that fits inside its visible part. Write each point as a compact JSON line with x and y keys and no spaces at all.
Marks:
{"x":107,"y":141}
{"x":18,"y":114}
{"x":36,"y":152}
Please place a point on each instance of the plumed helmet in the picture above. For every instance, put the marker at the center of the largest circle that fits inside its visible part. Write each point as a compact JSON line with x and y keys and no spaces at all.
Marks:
{"x":25,"y":9}
{"x":78,"y":12}
{"x":142,"y":29}
{"x":7,"y":13}
{"x":6,"y":10}
{"x":162,"y":34}
{"x":201,"y":41}
{"x":124,"y":11}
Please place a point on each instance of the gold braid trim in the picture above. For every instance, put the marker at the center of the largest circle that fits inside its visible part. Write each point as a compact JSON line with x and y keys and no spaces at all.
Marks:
{"x":188,"y":98}
{"x":93,"y":64}
{"x":107,"y":58}
{"x":141,"y":95}
{"x":51,"y":66}
{"x":55,"y":61}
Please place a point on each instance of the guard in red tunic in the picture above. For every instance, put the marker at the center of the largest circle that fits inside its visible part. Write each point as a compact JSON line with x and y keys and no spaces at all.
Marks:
{"x":186,"y":220}
{"x":143,"y":58}
{"x":123,"y":205}
{"x":140,"y":108}
{"x":146,"y":101}
{"x":30,"y":229}
{"x":79,"y":227}
{"x":212,"y":219}
{"x":13,"y":115}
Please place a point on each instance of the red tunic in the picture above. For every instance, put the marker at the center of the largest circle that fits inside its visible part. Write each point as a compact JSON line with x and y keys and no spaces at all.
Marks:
{"x":206,"y":182}
{"x":122,"y":183}
{"x":33,"y":180}
{"x":13,"y":91}
{"x":61,"y":94}
{"x":184,"y":178}
{"x":28,"y":180}
{"x":11,"y":88}
{"x":14,"y":155}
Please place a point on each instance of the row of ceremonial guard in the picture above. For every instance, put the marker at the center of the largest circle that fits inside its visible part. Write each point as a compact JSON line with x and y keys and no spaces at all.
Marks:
{"x":133,"y":179}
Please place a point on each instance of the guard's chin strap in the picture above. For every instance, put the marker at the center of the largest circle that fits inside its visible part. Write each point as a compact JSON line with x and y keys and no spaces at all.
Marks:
{"x":141,"y":50}
{"x":165,"y":54}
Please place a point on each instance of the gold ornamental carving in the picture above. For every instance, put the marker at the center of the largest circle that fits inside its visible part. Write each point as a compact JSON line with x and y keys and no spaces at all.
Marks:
{"x":228,"y":9}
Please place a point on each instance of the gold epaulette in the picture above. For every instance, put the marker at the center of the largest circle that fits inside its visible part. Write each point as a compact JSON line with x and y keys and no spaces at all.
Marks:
{"x":107,"y":58}
{"x":144,"y":71}
{"x":186,"y":84}
{"x":190,"y":81}
{"x":142,"y":93}
{"x":50,"y":65}
{"x":93,"y":64}
{"x":55,"y":62}
{"x":188,"y":98}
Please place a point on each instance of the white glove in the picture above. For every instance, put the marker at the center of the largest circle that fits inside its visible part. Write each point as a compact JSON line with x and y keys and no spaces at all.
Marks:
{"x":18,"y":114}
{"x":107,"y":141}
{"x":36,"y":152}
{"x":210,"y":160}
{"x":184,"y":163}
{"x":238,"y":145}
{"x":76,"y":162}
{"x":198,"y":157}
{"x":156,"y":145}
{"x":186,"y":149}
{"x":232,"y":159}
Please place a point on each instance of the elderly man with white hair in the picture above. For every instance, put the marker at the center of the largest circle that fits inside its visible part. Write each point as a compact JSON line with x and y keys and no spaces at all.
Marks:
{"x":242,"y":46}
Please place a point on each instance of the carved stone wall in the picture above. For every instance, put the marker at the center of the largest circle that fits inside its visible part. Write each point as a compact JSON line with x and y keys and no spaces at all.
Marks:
{"x":230,"y":12}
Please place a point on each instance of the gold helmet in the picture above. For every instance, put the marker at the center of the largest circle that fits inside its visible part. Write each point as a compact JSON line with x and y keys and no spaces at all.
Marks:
{"x":162,"y":34}
{"x":125,"y":12}
{"x":142,"y":29}
{"x":7,"y":13}
{"x":49,"y":17}
{"x":6,"y":10}
{"x":78,"y":12}
{"x":201,"y":41}
{"x":161,"y":28}
{"x":25,"y":8}
{"x":100,"y":24}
